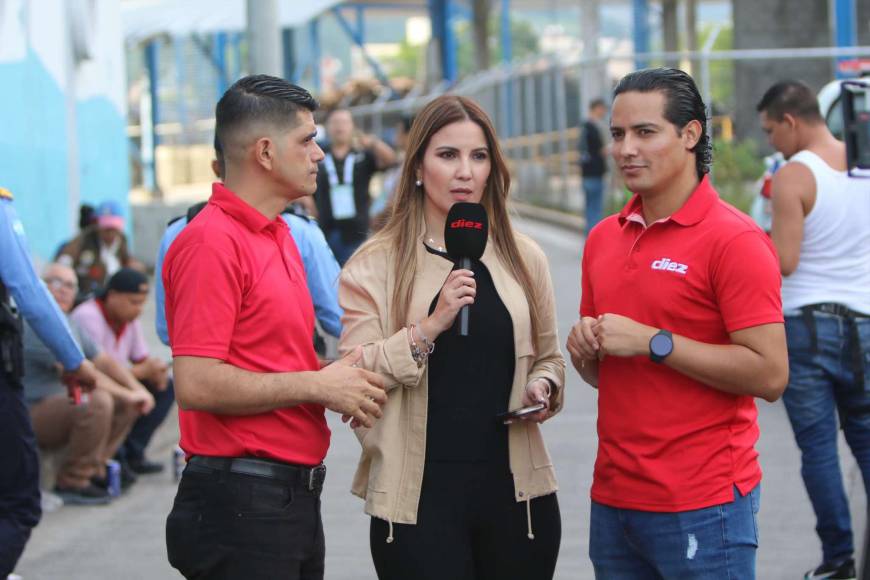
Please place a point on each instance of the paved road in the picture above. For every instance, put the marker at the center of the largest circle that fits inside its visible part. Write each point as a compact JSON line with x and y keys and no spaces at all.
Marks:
{"x":125,"y":540}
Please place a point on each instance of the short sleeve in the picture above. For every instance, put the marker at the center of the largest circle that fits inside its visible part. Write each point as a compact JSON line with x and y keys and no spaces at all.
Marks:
{"x":203,"y":284}
{"x":747,"y":282}
{"x":86,"y":342}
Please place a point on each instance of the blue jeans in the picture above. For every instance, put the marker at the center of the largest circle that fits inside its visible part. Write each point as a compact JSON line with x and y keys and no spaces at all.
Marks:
{"x":821,"y":384}
{"x":715,"y":543}
{"x":593,"y":187}
{"x":145,"y":426}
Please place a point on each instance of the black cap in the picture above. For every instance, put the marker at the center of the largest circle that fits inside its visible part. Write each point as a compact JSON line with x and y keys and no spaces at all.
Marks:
{"x":127,"y":281}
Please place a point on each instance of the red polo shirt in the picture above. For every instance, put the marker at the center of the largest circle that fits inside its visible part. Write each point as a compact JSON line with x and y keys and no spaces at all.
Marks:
{"x":236,"y":291}
{"x":667,"y":442}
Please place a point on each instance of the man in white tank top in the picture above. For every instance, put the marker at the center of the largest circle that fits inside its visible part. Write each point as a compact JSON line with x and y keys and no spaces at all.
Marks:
{"x":821,"y":230}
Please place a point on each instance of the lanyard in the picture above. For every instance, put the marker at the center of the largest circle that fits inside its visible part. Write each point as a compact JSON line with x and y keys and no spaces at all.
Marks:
{"x":329,"y":163}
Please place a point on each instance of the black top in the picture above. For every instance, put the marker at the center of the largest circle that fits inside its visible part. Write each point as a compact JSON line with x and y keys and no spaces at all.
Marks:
{"x":355,"y":228}
{"x":470,"y":381}
{"x":592,"y":162}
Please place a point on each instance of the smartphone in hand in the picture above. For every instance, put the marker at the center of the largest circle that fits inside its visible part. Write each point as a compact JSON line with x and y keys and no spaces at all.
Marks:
{"x":519,"y":413}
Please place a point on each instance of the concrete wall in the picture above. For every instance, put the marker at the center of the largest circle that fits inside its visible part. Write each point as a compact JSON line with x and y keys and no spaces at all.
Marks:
{"x":62,"y":112}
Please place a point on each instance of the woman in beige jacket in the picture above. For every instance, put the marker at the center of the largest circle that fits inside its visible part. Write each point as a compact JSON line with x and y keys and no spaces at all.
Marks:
{"x":452,"y":491}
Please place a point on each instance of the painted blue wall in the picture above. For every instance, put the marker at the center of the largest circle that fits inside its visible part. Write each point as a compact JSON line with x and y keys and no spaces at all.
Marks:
{"x":33,"y":151}
{"x":103,"y":154}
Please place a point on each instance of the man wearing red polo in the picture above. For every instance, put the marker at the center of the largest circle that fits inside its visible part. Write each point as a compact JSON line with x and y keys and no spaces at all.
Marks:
{"x":681,"y":327}
{"x":248,"y":383}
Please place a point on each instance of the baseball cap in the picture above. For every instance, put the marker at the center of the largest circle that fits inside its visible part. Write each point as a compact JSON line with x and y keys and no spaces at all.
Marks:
{"x":109,"y":215}
{"x":127,"y":281}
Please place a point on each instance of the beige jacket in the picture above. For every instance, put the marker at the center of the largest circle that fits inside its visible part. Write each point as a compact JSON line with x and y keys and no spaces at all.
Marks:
{"x":390,"y":472}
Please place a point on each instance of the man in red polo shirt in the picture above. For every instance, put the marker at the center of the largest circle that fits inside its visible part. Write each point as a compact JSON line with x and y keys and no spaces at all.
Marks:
{"x":248,"y":383}
{"x":681,"y":327}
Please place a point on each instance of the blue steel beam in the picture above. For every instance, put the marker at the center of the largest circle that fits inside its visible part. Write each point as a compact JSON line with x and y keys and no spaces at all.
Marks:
{"x":314,"y":43}
{"x":845,"y":27}
{"x":440,"y":15}
{"x":357,"y":37}
{"x":640,"y":19}
{"x":220,"y":62}
{"x":152,"y":62}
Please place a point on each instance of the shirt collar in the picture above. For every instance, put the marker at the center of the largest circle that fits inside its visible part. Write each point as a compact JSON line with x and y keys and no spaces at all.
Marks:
{"x":240,"y":210}
{"x":691,"y":213}
{"x":117,"y":329}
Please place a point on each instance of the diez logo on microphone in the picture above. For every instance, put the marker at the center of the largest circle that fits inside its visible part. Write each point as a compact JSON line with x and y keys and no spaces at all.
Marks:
{"x":466,"y":224}
{"x":666,"y":265}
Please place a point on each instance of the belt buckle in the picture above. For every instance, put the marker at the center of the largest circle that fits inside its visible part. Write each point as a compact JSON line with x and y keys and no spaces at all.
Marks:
{"x":316,"y":477}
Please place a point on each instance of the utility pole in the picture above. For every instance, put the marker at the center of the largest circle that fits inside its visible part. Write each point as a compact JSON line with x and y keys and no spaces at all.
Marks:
{"x":264,"y":38}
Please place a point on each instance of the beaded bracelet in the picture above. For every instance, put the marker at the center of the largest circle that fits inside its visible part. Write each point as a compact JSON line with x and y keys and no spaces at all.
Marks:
{"x":418,"y":355}
{"x":429,"y":346}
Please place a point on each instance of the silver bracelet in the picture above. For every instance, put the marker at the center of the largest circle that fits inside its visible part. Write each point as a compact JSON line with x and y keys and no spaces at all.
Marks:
{"x":429,"y":346}
{"x":418,"y":355}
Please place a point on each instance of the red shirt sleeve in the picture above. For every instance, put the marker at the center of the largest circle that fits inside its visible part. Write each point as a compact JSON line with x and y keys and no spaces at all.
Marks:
{"x":747,"y":282}
{"x":204,"y":286}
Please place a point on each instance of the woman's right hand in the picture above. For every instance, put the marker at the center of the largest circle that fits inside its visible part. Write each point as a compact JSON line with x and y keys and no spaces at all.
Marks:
{"x":458,"y":290}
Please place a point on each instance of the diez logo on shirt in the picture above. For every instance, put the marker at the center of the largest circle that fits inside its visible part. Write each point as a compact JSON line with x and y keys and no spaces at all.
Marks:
{"x":667,"y":265}
{"x":467,"y":224}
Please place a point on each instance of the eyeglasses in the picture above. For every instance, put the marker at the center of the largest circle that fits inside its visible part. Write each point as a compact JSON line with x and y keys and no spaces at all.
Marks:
{"x":58,"y":283}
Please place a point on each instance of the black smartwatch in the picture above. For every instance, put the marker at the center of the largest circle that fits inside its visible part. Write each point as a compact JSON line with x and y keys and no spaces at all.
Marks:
{"x":661,"y":345}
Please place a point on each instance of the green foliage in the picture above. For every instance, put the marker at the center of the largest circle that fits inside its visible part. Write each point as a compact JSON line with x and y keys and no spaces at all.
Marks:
{"x":408,"y":62}
{"x":736,"y":167}
{"x":524,"y":42}
{"x":721,"y":71}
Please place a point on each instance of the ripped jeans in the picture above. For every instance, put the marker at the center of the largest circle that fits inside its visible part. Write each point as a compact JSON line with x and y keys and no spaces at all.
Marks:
{"x":715,"y":543}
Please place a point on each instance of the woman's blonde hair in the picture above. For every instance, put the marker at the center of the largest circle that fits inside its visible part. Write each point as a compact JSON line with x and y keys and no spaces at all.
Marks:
{"x":404,"y":225}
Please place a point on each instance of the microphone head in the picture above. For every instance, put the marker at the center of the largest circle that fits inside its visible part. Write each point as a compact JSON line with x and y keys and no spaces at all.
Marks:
{"x":466,"y":230}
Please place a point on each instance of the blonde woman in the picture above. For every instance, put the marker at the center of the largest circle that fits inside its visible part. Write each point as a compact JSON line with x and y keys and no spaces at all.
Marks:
{"x":452,"y":491}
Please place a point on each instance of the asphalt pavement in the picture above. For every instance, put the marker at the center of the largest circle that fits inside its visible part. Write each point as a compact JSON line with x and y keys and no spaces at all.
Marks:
{"x":125,"y":540}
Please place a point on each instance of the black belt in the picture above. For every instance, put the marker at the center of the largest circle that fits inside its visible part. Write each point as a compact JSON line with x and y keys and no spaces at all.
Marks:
{"x":310,"y":478}
{"x":836,"y":310}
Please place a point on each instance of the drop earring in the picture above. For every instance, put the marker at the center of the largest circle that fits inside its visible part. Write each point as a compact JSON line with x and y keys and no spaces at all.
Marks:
{"x":419,"y":183}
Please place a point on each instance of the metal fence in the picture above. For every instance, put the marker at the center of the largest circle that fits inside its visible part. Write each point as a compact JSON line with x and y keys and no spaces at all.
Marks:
{"x":537,"y":105}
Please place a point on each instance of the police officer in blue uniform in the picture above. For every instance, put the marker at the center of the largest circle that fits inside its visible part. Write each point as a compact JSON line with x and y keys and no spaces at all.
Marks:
{"x":19,"y":463}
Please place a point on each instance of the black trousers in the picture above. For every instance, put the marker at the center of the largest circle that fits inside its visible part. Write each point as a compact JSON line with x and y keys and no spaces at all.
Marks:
{"x":227,"y":526}
{"x":133,"y":448}
{"x":19,"y":475}
{"x":470,"y":527}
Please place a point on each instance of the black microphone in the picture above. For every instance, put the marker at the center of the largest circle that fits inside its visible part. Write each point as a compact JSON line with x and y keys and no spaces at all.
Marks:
{"x":465,"y":236}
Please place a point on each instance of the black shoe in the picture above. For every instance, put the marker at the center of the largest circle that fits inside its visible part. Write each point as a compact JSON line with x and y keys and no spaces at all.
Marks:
{"x":834,"y":571}
{"x":144,"y":467}
{"x":87,"y":495}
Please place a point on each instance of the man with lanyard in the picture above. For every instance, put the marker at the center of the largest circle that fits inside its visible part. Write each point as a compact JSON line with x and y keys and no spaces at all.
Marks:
{"x":821,"y":232}
{"x":321,"y":268}
{"x":249,"y":386}
{"x":19,"y":463}
{"x":681,"y":328}
{"x":343,"y":183}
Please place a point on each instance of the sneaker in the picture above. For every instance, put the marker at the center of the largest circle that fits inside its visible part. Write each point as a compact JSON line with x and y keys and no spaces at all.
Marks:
{"x":834,"y":571}
{"x":87,"y":495}
{"x":144,"y":467}
{"x":50,"y":502}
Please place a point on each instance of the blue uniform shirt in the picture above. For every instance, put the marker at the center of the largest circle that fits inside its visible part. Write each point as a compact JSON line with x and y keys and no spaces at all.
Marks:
{"x":321,"y":271}
{"x":31,"y":296}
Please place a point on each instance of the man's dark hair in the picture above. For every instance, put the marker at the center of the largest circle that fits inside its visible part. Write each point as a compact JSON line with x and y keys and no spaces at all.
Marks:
{"x":259,"y":98}
{"x":792,"y":97}
{"x":683,"y":103}
{"x":599,"y":102}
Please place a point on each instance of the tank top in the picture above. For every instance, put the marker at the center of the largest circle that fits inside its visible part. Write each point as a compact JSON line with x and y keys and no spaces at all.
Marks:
{"x":834,"y":263}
